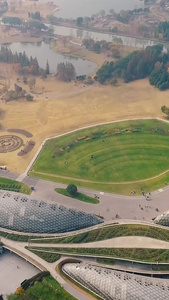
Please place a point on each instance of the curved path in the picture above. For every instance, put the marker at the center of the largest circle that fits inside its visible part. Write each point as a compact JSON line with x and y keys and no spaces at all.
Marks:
{"x":19,"y":248}
{"x":119,"y":242}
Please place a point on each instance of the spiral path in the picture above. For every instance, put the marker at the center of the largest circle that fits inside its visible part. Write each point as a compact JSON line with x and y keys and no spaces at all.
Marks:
{"x":9,"y":143}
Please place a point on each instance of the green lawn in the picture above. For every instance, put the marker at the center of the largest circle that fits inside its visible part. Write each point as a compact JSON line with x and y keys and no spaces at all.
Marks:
{"x":49,"y":257}
{"x":117,"y":157}
{"x":48,"y":289}
{"x":109,"y":232}
{"x":144,"y":255}
{"x":79,"y":196}
{"x":96,"y":234}
{"x":13,"y":185}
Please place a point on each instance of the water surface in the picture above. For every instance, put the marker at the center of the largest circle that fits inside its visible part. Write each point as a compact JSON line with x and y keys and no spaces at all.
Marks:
{"x":75,"y":8}
{"x":14,"y":270}
{"x":108,"y":37}
{"x":43,"y":53}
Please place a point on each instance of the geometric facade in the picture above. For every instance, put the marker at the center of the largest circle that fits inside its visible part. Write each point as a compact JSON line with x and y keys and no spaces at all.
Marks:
{"x":117,"y":285}
{"x":163,"y":219}
{"x":22,"y":213}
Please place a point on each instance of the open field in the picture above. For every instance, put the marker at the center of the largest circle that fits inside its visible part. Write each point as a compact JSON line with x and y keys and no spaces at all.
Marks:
{"x":125,"y":152}
{"x":59,"y":107}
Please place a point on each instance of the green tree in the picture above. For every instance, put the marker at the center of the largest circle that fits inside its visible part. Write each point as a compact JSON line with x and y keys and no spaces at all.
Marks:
{"x":12,"y":21}
{"x":72,"y":189}
{"x":114,"y":81}
{"x":47,"y":70}
{"x":160,"y":78}
{"x":29,"y":97}
{"x":165,"y":110}
{"x":97,"y":47}
{"x":66,"y":71}
{"x":79,"y":21}
{"x":105,"y":72}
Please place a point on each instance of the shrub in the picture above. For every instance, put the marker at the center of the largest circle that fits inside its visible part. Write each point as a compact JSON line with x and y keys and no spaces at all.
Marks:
{"x":72,"y":189}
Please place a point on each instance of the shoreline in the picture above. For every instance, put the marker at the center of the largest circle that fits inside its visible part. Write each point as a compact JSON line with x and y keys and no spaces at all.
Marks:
{"x":118,"y":34}
{"x":20,"y":39}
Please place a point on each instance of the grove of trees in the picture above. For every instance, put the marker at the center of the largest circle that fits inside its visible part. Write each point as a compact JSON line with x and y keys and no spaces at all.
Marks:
{"x":32,"y":24}
{"x":102,"y":47}
{"x":163,"y":28}
{"x":12,"y":21}
{"x":26,"y":65}
{"x":35,"y":15}
{"x":66,"y":71}
{"x":151,"y":62}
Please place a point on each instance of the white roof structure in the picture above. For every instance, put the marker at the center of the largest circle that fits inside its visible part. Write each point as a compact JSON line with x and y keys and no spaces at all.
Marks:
{"x":117,"y":285}
{"x":22,"y":213}
{"x":162,"y":219}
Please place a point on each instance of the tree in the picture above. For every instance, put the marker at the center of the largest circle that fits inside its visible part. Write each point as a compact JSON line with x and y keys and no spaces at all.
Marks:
{"x":72,"y":189}
{"x":29,"y":97}
{"x":111,"y":11}
{"x":165,"y":110}
{"x":102,"y":13}
{"x":79,"y":21}
{"x":12,"y":21}
{"x":66,"y":71}
{"x":97,"y":47}
{"x":114,"y":81}
{"x":47,"y":70}
{"x":160,"y":78}
{"x":19,"y":291}
{"x":105,"y":72}
{"x":32,"y":83}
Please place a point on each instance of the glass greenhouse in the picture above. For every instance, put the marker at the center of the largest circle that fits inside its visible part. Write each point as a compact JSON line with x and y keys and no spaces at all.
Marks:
{"x":163,"y":219}
{"x":117,"y":285}
{"x":25,"y":214}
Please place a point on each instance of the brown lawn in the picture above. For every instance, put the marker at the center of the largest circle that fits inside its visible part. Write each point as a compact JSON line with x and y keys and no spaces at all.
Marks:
{"x":54,"y":112}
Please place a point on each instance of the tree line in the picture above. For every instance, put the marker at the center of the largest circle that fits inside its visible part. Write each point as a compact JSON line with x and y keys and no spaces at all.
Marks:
{"x":15,"y":21}
{"x":30,"y":66}
{"x":103,"y":47}
{"x":26,"y":65}
{"x":35,"y":15}
{"x":151,"y":62}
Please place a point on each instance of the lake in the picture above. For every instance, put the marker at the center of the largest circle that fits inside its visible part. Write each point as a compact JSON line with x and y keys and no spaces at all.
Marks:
{"x":14,"y":270}
{"x":43,"y":53}
{"x":81,"y":8}
{"x":108,"y":37}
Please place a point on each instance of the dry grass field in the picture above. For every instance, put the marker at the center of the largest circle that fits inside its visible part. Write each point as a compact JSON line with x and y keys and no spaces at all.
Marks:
{"x":54,"y":112}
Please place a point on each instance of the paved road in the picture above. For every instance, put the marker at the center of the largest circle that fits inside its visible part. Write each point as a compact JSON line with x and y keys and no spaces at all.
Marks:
{"x":8,"y":174}
{"x":51,"y":267}
{"x":111,"y":206}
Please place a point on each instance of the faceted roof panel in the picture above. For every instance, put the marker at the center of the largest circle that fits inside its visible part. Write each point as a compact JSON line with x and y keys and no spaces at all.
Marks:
{"x":163,"y":219}
{"x":117,"y":285}
{"x":25,"y":214}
